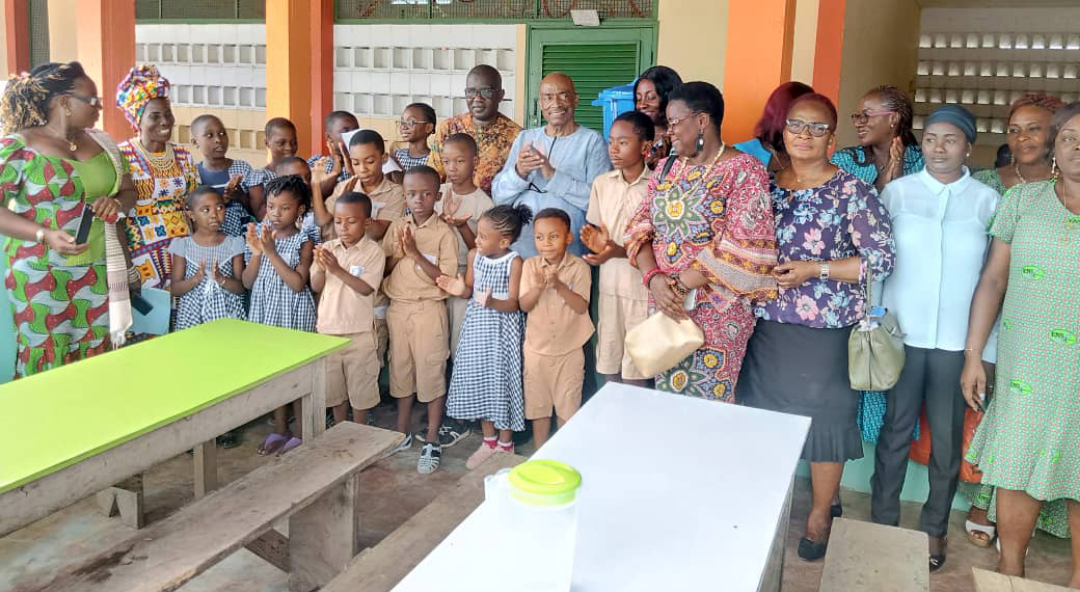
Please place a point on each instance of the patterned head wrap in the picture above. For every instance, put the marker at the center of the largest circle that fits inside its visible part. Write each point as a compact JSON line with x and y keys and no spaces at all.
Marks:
{"x":141,"y":85}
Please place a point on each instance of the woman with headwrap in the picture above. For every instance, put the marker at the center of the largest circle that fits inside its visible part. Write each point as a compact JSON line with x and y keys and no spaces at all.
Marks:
{"x":68,"y":298}
{"x":163,"y":173}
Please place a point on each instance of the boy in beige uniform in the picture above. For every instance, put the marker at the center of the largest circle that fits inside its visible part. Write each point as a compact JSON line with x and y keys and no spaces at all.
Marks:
{"x":461,"y":206}
{"x":347,"y":273}
{"x":616,"y":196}
{"x":367,"y":155}
{"x":420,"y":247}
{"x":555,"y":290}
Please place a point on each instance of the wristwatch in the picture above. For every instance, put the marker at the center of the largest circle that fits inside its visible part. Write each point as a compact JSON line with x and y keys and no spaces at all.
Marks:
{"x":824,"y":275}
{"x":39,"y":236}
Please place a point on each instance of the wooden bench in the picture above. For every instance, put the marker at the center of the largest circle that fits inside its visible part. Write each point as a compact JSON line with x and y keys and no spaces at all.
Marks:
{"x":315,"y":486}
{"x":380,"y":568}
{"x":988,"y":581}
{"x":868,"y":557}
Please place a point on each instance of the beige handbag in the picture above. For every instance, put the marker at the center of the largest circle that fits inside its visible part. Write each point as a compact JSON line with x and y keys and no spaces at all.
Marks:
{"x":875,"y":349}
{"x":660,"y":342}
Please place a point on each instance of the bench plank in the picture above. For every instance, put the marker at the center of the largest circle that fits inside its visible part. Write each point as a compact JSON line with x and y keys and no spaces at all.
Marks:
{"x":180,"y":547}
{"x":868,"y":557}
{"x":989,"y":581}
{"x":380,"y":568}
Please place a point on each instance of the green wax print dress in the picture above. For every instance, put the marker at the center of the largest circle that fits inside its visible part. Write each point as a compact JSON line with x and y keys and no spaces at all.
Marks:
{"x":1029,"y":439}
{"x":991,"y":178}
{"x":60,"y":303}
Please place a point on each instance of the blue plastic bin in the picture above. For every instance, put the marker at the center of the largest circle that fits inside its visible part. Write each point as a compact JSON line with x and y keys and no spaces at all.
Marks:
{"x":615,"y":101}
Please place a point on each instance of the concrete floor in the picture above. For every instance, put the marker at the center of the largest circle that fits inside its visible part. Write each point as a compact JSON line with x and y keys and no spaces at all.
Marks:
{"x":395,"y":492}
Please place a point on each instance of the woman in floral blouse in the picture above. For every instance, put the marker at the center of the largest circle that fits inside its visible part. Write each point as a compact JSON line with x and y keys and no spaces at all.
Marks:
{"x":830,"y":230}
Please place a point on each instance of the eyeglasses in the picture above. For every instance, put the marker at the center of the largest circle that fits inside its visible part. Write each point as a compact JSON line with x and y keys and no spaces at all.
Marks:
{"x":861,"y":117}
{"x":674,"y":122}
{"x":486,"y":92}
{"x":412,"y":122}
{"x":94,"y":102}
{"x":816,"y":129}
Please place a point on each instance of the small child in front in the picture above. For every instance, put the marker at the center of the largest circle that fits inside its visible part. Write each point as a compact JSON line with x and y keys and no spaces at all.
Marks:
{"x":231,"y":178}
{"x":347,"y":272}
{"x":624,"y":301}
{"x":555,"y":290}
{"x":486,"y":383}
{"x":420,"y":248}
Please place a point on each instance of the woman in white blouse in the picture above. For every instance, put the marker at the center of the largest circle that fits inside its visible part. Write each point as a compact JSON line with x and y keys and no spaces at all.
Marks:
{"x":940,"y":220}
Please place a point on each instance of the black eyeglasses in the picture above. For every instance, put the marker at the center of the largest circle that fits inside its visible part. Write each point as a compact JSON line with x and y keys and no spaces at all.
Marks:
{"x":486,"y":92}
{"x":814,"y":128}
{"x":92,"y":101}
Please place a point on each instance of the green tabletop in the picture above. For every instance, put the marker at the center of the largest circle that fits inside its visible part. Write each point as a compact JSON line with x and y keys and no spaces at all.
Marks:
{"x":57,"y":418}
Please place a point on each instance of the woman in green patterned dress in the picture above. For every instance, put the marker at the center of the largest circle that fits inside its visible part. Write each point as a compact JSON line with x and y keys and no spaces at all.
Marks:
{"x":51,"y":168}
{"x":1028,"y":445}
{"x":1029,"y":121}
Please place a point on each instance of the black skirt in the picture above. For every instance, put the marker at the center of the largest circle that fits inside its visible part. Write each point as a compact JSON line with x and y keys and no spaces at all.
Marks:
{"x":804,"y":371}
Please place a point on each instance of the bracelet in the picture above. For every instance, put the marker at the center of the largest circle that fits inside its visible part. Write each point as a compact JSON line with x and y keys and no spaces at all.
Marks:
{"x":824,"y":274}
{"x":39,"y":236}
{"x":649,"y":275}
{"x":678,"y":286}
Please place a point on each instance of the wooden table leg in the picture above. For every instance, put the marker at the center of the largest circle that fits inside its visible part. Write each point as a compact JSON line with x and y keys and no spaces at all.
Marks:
{"x":323,"y":538}
{"x":205,"y":468}
{"x":313,"y":407}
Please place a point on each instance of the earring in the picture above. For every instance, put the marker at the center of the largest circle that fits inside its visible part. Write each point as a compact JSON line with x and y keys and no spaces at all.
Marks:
{"x":701,"y":140}
{"x":67,"y":111}
{"x":1054,"y":169}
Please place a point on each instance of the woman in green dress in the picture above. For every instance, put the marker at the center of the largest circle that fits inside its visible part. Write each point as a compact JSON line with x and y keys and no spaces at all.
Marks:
{"x":67,"y":298}
{"x":1028,"y":445}
{"x":1029,"y":121}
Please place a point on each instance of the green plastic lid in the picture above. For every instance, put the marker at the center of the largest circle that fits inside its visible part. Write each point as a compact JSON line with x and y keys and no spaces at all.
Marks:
{"x":544,"y":482}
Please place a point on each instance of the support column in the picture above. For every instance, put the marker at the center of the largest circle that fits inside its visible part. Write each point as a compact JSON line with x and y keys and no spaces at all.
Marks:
{"x":757,"y":59}
{"x":17,"y":35}
{"x":291,"y":34}
{"x":106,"y":48}
{"x":322,"y":69}
{"x":830,"y":44}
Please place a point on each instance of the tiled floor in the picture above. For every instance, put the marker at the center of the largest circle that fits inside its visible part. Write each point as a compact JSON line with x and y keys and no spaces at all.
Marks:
{"x":395,"y":491}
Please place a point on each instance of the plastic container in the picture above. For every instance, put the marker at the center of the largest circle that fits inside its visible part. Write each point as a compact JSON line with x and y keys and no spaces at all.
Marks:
{"x":536,"y":504}
{"x":615,"y":101}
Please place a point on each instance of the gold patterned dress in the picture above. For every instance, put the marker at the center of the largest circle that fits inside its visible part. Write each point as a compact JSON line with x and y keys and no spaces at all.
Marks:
{"x":162,"y":181}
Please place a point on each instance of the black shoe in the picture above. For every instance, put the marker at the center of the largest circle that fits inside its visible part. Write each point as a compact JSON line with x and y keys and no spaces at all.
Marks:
{"x":811,"y":551}
{"x":229,"y":439}
{"x":449,"y":434}
{"x":836,"y":510}
{"x":936,"y":562}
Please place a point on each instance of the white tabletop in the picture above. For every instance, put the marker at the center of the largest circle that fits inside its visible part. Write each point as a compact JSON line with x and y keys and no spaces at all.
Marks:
{"x":677,"y":493}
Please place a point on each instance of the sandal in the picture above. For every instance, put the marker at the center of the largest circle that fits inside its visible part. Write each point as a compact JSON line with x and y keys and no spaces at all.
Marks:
{"x":292,"y":443}
{"x":974,"y":529}
{"x":810,"y":550}
{"x":938,"y":560}
{"x":271,"y":445}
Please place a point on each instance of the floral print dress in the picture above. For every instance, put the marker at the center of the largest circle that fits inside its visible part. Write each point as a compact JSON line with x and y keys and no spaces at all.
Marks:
{"x":714,"y":219}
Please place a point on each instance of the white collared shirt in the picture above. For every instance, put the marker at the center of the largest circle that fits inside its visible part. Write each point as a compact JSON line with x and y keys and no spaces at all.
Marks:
{"x":942,"y":241}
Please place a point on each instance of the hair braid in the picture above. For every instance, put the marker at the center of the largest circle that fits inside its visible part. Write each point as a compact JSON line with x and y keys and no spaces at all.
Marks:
{"x":896,"y":100}
{"x":26,"y":98}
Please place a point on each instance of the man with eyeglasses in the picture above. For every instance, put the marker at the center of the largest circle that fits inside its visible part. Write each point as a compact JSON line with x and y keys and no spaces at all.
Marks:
{"x":494,"y":132}
{"x":553,"y":166}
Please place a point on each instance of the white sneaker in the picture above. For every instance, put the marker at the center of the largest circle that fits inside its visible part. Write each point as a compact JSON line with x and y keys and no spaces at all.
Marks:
{"x":430,"y":456}
{"x":405,"y":445}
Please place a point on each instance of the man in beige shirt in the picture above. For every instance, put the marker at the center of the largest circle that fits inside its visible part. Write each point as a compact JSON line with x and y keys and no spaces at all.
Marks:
{"x":555,"y":290}
{"x":347,"y":273}
{"x":420,"y":247}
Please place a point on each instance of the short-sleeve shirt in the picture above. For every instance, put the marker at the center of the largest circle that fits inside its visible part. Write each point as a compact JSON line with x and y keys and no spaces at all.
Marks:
{"x":552,"y":327}
{"x":492,"y":145}
{"x":612,"y":204}
{"x":473,"y":205}
{"x":342,"y":310}
{"x":387,"y":203}
{"x":437,"y":242}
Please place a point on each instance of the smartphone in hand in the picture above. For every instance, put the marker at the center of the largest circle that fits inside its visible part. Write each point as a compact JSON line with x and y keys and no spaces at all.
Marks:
{"x":85,"y":222}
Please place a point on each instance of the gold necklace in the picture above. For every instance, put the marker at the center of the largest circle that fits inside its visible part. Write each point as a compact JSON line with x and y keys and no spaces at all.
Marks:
{"x":1016,"y":167}
{"x":165,"y":162}
{"x":1072,"y":221}
{"x":685,"y":162}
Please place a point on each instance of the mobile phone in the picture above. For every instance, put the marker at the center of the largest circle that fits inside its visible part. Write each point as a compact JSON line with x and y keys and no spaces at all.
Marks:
{"x":84,"y":225}
{"x":690,"y":301}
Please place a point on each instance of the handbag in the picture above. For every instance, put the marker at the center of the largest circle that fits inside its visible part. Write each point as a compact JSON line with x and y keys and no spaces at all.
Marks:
{"x":875,"y":349}
{"x":660,"y":342}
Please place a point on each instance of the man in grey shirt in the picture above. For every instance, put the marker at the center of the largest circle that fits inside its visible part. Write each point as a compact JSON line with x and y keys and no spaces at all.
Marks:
{"x":553,"y":166}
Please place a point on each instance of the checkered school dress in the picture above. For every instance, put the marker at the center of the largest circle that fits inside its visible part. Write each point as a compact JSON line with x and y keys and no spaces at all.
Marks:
{"x":207,"y":301}
{"x":273,"y":302}
{"x":407,"y":162}
{"x":307,"y":226}
{"x":486,"y":383}
{"x":237,"y":217}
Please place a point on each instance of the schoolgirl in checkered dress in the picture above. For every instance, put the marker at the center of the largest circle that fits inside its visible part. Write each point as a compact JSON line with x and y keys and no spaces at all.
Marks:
{"x":486,"y":383}
{"x":273,"y":301}
{"x":208,"y":300}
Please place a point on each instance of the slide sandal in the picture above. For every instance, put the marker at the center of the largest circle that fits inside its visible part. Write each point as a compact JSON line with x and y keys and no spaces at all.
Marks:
{"x":292,"y":443}
{"x":272,"y":444}
{"x":973,"y":528}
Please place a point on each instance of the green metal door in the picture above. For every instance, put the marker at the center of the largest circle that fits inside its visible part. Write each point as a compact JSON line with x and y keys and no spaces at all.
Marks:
{"x":595,"y":58}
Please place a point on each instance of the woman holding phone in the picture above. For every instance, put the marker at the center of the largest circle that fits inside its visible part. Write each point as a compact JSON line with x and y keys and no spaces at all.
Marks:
{"x":54,"y":168}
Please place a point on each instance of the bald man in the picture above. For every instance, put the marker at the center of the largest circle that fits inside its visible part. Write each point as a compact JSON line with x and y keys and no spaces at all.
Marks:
{"x":553,"y":166}
{"x":493,"y":131}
